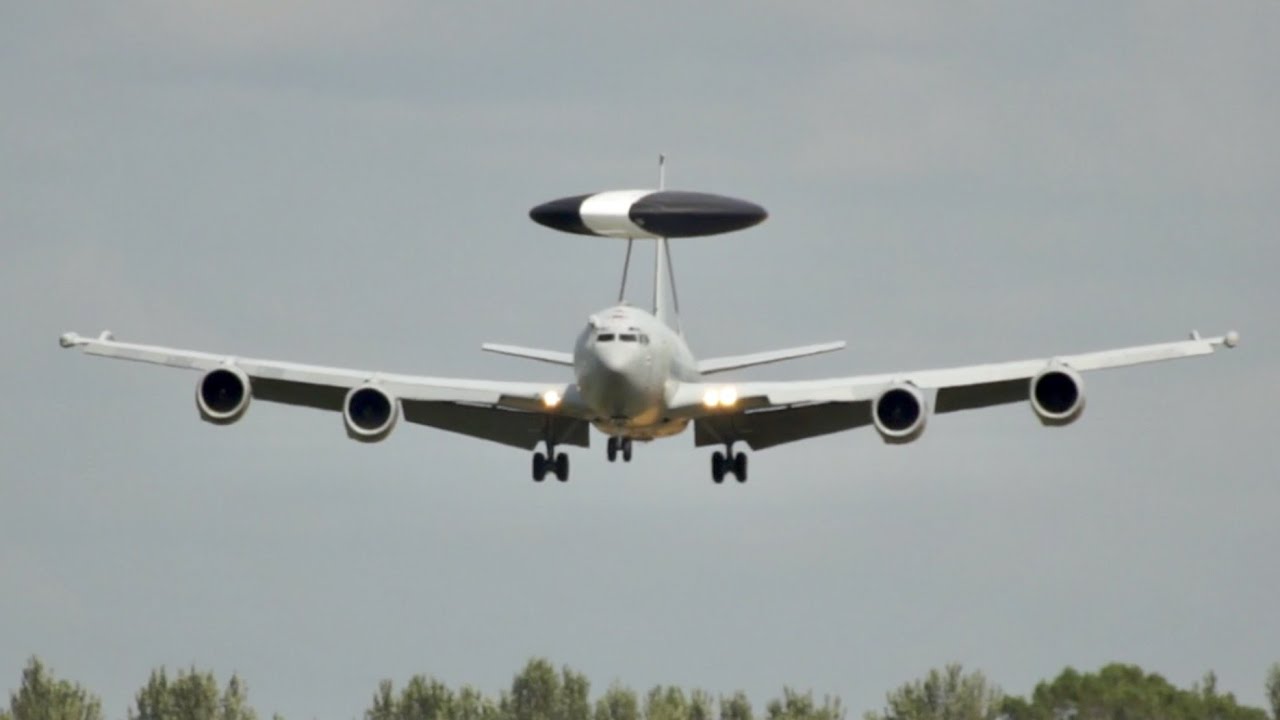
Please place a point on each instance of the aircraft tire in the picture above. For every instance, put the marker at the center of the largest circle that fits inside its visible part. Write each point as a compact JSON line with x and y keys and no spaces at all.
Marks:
{"x":539,"y":467}
{"x":717,"y":467}
{"x":612,"y":449}
{"x":626,"y":450}
{"x":562,"y":467}
{"x":740,"y":467}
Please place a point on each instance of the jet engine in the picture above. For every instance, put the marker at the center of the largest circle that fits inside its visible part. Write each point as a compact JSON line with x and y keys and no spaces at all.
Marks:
{"x":222,"y":395}
{"x":899,"y":414}
{"x":1057,"y":395}
{"x":369,"y":413}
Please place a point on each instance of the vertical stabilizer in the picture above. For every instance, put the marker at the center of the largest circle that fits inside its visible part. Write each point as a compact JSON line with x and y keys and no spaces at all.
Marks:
{"x":662,"y":271}
{"x":663,"y":308}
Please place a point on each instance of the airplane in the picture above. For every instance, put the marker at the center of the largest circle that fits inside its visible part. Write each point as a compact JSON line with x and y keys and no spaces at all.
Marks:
{"x":634,"y":376}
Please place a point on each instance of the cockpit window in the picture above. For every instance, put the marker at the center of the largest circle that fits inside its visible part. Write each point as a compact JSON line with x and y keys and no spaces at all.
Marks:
{"x":627,"y":337}
{"x":604,"y":337}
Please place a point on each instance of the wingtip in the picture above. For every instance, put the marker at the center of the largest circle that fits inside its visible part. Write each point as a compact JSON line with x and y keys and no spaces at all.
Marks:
{"x":1231,"y":339}
{"x":74,"y":339}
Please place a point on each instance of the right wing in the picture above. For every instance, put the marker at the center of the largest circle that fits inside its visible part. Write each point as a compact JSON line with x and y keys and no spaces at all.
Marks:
{"x":764,"y":414}
{"x":520,"y":414}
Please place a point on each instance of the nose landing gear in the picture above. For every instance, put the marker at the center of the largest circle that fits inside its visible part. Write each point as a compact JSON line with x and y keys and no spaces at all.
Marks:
{"x":619,"y":445}
{"x":725,"y":463}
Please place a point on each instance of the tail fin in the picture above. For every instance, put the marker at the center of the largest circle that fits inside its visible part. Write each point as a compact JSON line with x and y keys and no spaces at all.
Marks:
{"x":663,"y":273}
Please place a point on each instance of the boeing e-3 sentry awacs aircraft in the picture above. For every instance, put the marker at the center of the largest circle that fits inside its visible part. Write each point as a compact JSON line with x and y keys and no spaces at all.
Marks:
{"x":634,"y":377}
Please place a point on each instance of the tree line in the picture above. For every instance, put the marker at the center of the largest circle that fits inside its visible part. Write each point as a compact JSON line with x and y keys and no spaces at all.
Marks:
{"x":540,"y":691}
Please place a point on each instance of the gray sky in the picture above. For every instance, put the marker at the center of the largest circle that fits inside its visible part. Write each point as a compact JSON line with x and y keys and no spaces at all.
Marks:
{"x":947,"y":184}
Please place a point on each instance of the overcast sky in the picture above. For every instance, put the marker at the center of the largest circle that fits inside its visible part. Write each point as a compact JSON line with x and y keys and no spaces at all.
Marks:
{"x":348,"y":184}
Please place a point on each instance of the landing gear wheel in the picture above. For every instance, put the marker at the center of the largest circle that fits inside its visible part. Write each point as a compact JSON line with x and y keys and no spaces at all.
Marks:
{"x":539,"y":467}
{"x":562,"y":467}
{"x":717,"y":467}
{"x":740,"y":467}
{"x":612,"y":450}
{"x":626,"y":449}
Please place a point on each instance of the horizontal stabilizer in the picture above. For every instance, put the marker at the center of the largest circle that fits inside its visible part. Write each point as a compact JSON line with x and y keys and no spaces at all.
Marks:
{"x":547,"y":356}
{"x":735,"y":362}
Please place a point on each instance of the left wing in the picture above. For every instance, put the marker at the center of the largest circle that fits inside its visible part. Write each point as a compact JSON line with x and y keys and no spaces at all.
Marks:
{"x":764,"y":414}
{"x":520,"y":414}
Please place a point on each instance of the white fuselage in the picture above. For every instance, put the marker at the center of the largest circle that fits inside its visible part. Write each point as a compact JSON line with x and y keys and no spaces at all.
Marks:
{"x":626,"y":361}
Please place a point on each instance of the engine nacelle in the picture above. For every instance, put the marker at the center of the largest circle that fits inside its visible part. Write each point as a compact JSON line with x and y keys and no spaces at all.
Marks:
{"x":1057,"y":395}
{"x":899,"y":414}
{"x":369,"y":413}
{"x":222,"y":395}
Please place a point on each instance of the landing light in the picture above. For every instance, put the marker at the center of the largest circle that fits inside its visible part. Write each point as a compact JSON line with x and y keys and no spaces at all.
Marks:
{"x":720,"y":397}
{"x":551,"y":398}
{"x":728,"y":397}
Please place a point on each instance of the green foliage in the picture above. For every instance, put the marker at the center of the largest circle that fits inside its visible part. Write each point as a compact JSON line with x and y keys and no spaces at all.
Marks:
{"x":425,"y":698}
{"x":535,"y":692}
{"x":541,"y":692}
{"x":666,"y":703}
{"x":538,"y":692}
{"x":1273,"y":690}
{"x":801,"y":706}
{"x":574,"y":702}
{"x":618,"y":703}
{"x":949,"y":694}
{"x":41,"y":696}
{"x":736,"y":707}
{"x":235,"y":701}
{"x":191,"y":695}
{"x":1125,"y":692}
{"x":471,"y":704}
{"x":701,"y":706}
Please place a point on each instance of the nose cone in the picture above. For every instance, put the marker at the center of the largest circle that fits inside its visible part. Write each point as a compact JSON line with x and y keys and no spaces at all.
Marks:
{"x":562,"y":214}
{"x":675,"y":213}
{"x":615,"y":358}
{"x":614,"y":386}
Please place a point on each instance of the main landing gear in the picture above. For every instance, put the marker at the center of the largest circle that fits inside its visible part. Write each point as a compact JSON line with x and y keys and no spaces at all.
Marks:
{"x":619,"y":445}
{"x":724,"y":463}
{"x":556,"y":464}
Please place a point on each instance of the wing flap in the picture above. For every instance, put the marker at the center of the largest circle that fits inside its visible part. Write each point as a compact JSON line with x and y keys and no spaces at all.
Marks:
{"x":312,"y":395}
{"x":766,"y":428}
{"x":972,"y":397}
{"x":508,"y":427}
